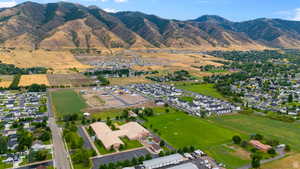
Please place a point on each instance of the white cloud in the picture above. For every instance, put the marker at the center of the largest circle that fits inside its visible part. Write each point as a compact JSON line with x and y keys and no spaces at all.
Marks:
{"x":8,"y":4}
{"x":117,"y":1}
{"x":296,"y":15}
{"x":293,"y":14}
{"x":110,"y":10}
{"x":120,"y":1}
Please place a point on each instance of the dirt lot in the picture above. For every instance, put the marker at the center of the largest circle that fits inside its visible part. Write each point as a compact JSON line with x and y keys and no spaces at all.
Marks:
{"x":59,"y":61}
{"x":110,"y":98}
{"x":5,"y":80}
{"x":128,"y":80}
{"x":27,"y":80}
{"x":73,"y":80}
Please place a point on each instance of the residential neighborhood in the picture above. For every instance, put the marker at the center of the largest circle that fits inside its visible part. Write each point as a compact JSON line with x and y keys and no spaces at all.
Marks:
{"x":24,"y":117}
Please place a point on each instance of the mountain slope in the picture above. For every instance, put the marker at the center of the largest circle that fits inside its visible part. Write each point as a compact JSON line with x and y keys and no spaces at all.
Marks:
{"x":67,"y":25}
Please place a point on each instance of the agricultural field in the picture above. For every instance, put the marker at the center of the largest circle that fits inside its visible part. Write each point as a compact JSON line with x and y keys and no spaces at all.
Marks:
{"x":287,"y":133}
{"x":58,"y":61}
{"x":204,"y":89}
{"x":72,"y":80}
{"x":67,"y":102}
{"x":6,"y":80}
{"x":128,"y":80}
{"x":180,"y":129}
{"x":289,"y":162}
{"x":27,"y":80}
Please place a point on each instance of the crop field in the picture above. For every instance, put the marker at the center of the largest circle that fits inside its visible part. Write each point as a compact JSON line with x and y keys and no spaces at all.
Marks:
{"x":27,"y":80}
{"x":286,"y":133}
{"x":204,"y":89}
{"x":67,"y":102}
{"x":59,"y":61}
{"x":73,"y":80}
{"x":5,"y":80}
{"x":180,"y":129}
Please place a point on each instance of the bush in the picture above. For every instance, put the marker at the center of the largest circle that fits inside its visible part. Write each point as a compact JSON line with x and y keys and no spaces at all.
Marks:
{"x":236,"y":139}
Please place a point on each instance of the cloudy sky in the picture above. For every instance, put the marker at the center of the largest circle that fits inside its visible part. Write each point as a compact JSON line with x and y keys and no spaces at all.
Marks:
{"x":236,"y":10}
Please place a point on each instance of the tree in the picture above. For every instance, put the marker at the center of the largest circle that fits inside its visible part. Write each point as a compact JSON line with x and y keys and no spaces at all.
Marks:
{"x":45,"y":136}
{"x":287,"y":148}
{"x":244,"y":144}
{"x":161,"y":153}
{"x":257,"y":137}
{"x":272,"y":151}
{"x":148,"y":157}
{"x":236,"y":139}
{"x":290,"y":98}
{"x":37,"y":88}
{"x":81,"y":156}
{"x":162,"y":143}
{"x":255,"y":163}
{"x":3,"y":144}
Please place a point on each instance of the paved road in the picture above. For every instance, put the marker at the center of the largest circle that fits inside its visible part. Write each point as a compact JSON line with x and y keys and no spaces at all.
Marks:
{"x":281,"y":155}
{"x":37,"y":164}
{"x":61,"y":156}
{"x":122,"y":156}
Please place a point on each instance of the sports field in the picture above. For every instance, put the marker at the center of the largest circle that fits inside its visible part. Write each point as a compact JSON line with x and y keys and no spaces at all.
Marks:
{"x":204,"y":89}
{"x":287,"y":133}
{"x":181,"y":130}
{"x":67,"y":102}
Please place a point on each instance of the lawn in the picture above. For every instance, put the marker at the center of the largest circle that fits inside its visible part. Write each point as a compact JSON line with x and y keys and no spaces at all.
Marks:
{"x":287,"y":133}
{"x":5,"y":165}
{"x":186,"y":98}
{"x":180,"y":130}
{"x":204,"y":89}
{"x":102,"y":149}
{"x":108,"y":113}
{"x":67,"y":102}
{"x":130,"y":144}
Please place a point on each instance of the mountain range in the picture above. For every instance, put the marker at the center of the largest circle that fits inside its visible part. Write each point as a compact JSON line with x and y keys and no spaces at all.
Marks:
{"x":68,"y":25}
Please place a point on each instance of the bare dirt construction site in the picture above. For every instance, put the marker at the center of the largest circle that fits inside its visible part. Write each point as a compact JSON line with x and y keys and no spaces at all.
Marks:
{"x":72,"y":80}
{"x":58,"y":61}
{"x":105,"y":98}
{"x":149,"y":60}
{"x":27,"y":80}
{"x":5,"y":80}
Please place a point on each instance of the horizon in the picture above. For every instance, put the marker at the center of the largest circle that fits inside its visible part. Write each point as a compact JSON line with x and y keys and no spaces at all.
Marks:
{"x":197,"y":8}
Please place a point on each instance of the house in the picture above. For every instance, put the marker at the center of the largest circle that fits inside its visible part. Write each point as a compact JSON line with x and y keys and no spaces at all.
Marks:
{"x":257,"y":144}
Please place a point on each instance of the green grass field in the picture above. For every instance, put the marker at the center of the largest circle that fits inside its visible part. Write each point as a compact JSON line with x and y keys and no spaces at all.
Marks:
{"x":180,"y":130}
{"x":67,"y":102}
{"x":108,"y":113}
{"x":287,"y":133}
{"x":130,"y":144}
{"x":204,"y":89}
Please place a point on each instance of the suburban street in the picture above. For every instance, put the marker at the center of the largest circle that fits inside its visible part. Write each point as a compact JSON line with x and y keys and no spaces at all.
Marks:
{"x":61,"y":156}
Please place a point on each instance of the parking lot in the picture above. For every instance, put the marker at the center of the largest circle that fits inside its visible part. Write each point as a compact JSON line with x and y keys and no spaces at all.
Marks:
{"x":119,"y":157}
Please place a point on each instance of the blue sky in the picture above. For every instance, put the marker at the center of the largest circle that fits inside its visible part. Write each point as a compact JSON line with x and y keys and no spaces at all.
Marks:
{"x":235,"y":10}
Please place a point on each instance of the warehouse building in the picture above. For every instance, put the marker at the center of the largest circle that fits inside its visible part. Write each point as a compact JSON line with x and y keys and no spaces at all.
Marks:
{"x":163,"y":161}
{"x":185,"y":166}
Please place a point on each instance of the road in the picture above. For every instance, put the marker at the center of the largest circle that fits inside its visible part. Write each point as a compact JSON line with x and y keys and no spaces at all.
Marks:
{"x":280,"y":155}
{"x":36,"y":164}
{"x":61,"y":156}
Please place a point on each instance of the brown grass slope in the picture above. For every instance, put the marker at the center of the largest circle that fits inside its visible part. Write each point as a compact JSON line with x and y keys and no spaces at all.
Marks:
{"x":67,"y":25}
